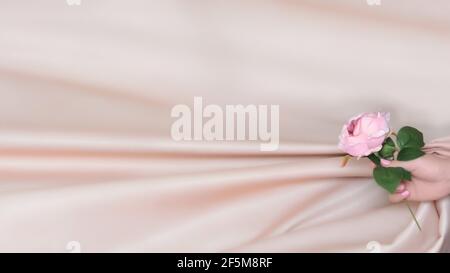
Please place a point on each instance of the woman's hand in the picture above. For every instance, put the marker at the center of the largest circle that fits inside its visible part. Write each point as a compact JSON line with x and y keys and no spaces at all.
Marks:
{"x":430,"y":179}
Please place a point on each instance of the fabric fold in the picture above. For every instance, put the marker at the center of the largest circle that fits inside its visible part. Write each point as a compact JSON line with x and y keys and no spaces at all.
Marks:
{"x":87,"y":157}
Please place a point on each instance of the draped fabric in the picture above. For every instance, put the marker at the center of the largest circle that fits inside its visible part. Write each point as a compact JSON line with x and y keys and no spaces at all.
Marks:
{"x":86,"y":153}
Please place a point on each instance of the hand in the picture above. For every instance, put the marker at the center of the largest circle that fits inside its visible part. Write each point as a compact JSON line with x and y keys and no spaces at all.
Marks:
{"x":430,"y":179}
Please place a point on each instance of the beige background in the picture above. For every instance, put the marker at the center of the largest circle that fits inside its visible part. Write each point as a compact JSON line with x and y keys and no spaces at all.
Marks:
{"x":85,"y":147}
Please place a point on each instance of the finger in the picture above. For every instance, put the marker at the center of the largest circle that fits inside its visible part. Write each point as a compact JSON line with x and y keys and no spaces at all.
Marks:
{"x":399,"y":196}
{"x":407,"y":165}
{"x":400,"y":188}
{"x":420,"y":190}
{"x":415,"y":190}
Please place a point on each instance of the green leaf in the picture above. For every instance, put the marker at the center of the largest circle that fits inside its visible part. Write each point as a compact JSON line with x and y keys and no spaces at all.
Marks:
{"x":407,"y":154}
{"x":387,"y":152}
{"x":406,"y":175}
{"x":375,"y":159}
{"x":409,"y":137}
{"x":388,"y":178}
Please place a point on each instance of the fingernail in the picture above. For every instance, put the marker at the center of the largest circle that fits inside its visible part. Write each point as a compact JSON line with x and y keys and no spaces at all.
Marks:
{"x":405,"y":193}
{"x":385,"y":162}
{"x":400,"y":188}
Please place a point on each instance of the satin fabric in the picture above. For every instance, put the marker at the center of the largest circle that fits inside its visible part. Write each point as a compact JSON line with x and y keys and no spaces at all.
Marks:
{"x":86,"y":154}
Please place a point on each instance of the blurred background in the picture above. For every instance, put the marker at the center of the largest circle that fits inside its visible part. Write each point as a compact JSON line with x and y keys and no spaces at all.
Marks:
{"x":112,"y":66}
{"x":85,"y":98}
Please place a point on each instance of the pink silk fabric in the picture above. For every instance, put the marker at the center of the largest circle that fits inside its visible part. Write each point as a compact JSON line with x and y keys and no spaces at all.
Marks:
{"x":86,"y":154}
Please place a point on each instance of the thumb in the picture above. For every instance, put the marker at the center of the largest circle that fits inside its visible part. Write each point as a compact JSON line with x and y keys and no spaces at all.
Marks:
{"x":407,"y":165}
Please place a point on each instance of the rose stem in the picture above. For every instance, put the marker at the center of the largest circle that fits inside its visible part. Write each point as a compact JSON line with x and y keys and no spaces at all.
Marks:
{"x":413,"y":216}
{"x":345,"y":160}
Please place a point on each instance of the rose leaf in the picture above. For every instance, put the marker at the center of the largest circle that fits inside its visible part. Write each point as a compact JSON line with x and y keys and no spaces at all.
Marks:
{"x":407,"y":154}
{"x":409,"y":137}
{"x":388,"y":178}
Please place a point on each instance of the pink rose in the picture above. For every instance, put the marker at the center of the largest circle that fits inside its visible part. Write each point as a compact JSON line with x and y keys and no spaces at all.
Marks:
{"x":364,"y":134}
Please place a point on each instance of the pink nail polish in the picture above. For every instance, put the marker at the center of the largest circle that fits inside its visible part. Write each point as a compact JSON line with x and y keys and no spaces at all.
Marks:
{"x":385,"y":162}
{"x":405,"y":193}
